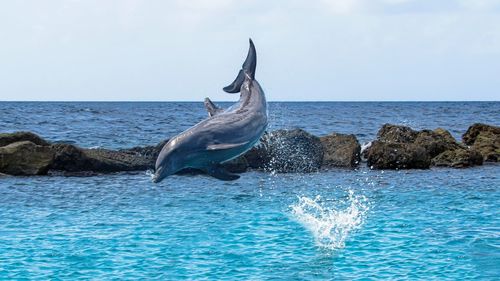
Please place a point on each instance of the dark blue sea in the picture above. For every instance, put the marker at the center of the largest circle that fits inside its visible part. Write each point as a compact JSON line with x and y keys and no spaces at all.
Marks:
{"x":437,"y":224}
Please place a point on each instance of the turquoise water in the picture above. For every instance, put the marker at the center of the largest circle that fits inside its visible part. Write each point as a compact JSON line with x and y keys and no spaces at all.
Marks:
{"x":438,"y":224}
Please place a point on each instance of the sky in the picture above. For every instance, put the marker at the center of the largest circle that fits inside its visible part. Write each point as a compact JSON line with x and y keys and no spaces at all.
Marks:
{"x":316,"y":50}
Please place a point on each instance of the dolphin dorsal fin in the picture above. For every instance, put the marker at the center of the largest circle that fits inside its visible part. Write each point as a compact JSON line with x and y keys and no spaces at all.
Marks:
{"x":222,"y":146}
{"x":212,"y":108}
{"x":247,"y":70}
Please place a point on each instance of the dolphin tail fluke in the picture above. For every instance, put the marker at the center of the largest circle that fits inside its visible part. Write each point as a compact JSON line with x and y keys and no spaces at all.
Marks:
{"x":248,"y":69}
{"x":236,"y":85}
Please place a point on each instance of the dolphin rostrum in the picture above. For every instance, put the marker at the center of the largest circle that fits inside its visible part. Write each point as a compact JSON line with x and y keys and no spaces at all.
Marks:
{"x":224,"y":135}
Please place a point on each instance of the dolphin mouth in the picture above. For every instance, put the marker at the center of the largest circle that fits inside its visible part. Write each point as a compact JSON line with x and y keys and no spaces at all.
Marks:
{"x":156,"y":178}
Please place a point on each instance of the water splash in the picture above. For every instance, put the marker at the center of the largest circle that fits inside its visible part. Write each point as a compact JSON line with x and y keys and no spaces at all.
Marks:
{"x":331,"y":222}
{"x":365,"y":146}
{"x":150,"y":173}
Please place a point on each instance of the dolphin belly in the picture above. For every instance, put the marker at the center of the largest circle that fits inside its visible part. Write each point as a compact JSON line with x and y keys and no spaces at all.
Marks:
{"x":223,"y":136}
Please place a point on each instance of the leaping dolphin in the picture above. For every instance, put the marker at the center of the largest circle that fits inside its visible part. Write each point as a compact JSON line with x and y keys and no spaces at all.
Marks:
{"x":224,"y":135}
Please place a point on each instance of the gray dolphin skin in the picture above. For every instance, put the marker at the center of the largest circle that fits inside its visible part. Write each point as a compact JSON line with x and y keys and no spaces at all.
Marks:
{"x":224,"y":135}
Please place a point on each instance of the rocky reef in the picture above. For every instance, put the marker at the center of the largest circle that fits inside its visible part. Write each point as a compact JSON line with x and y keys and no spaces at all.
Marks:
{"x":282,"y":151}
{"x":485,"y":139}
{"x":400,"y":147}
{"x":285,"y":151}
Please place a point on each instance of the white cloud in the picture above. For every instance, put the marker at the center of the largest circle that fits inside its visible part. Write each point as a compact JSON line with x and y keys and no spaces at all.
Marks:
{"x":344,"y":6}
{"x":395,"y":2}
{"x":480,"y":5}
{"x":209,"y":6}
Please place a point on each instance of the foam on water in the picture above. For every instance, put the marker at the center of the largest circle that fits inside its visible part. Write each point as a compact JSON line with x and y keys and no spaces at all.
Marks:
{"x":365,"y":146}
{"x":331,"y":222}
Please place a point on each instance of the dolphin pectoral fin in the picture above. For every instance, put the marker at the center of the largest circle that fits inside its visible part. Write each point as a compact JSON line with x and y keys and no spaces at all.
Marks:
{"x":219,"y":172}
{"x":221,"y":146}
{"x":212,"y":108}
{"x":248,"y":69}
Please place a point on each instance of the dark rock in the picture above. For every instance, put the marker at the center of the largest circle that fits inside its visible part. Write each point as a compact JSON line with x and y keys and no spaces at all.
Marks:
{"x":150,"y":152}
{"x":458,"y":158}
{"x":476,"y":129}
{"x":437,"y":141}
{"x":104,"y":160}
{"x":68,"y":158}
{"x":485,"y":139}
{"x":257,"y":156}
{"x":340,"y":150}
{"x":74,"y":159}
{"x":384,"y":155}
{"x":286,"y":151}
{"x":413,"y":145}
{"x":396,"y":134}
{"x":25,"y":158}
{"x":8,"y":138}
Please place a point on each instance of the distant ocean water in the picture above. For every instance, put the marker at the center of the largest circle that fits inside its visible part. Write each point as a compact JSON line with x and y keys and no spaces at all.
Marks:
{"x":127,"y":124}
{"x":441,"y":224}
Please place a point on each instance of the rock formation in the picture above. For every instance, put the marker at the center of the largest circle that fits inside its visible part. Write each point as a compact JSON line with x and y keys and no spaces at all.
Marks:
{"x":281,"y":151}
{"x":286,"y":151}
{"x":340,"y":150}
{"x":25,"y":158}
{"x":400,"y":147}
{"x":485,"y":139}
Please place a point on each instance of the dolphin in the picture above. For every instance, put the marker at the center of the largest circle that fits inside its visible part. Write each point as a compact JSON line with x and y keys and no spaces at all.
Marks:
{"x":224,"y":135}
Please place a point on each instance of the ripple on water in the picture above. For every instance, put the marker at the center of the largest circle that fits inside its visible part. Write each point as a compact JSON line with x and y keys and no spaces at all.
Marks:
{"x":333,"y":225}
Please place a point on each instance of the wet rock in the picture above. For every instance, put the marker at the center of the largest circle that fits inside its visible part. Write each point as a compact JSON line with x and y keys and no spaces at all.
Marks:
{"x":104,"y":160}
{"x":485,"y":139}
{"x":476,"y":129}
{"x":286,"y":151}
{"x":25,"y":158}
{"x":437,"y":141}
{"x":458,"y":158}
{"x":396,"y":134}
{"x":68,"y":158}
{"x":257,"y":156}
{"x":71,"y":158}
{"x":8,"y":138}
{"x":385,"y":155}
{"x":412,"y":147}
{"x":150,"y":152}
{"x":340,"y":150}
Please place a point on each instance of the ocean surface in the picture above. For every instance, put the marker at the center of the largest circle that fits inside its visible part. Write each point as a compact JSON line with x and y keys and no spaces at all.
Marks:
{"x":437,"y":224}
